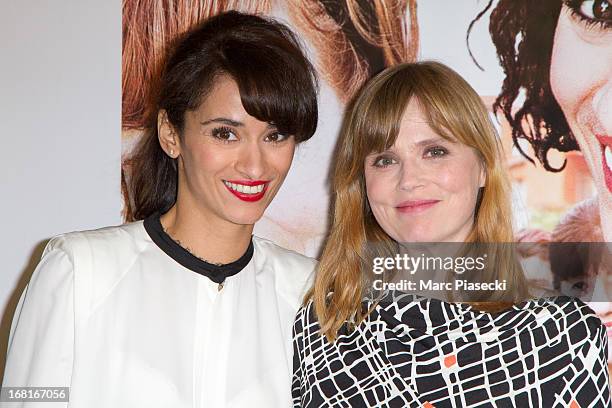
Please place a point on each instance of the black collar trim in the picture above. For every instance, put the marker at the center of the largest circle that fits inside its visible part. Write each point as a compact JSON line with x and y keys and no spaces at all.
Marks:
{"x":216,"y":273}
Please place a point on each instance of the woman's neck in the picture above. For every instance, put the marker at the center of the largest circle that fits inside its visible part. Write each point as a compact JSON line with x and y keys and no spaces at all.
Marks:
{"x":207,"y":237}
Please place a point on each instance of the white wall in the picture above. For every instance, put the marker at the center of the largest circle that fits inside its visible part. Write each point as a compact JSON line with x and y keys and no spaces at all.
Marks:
{"x":60,"y":99}
{"x":443,"y":27}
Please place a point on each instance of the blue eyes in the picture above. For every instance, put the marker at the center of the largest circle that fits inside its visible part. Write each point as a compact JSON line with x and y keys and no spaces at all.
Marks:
{"x":435,"y":152}
{"x":227,"y":134}
{"x":383,"y":162}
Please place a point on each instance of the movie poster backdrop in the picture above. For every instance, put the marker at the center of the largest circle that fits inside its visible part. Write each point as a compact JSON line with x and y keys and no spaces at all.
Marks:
{"x":543,"y":68}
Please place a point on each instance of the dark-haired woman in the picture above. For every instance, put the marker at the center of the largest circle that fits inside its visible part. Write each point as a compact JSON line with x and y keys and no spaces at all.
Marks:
{"x":542,"y":47}
{"x":569,"y":101}
{"x":185,"y":308}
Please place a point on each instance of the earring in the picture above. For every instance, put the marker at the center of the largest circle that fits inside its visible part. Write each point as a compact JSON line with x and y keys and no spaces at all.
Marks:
{"x":172,"y":153}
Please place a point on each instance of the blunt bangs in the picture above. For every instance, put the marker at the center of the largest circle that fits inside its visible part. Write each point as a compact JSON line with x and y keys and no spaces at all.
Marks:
{"x":274,"y":88}
{"x":378,"y":111}
{"x":277,"y":82}
{"x":451,"y":106}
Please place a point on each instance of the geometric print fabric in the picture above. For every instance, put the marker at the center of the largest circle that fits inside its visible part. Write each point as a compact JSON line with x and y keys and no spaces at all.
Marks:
{"x":420,"y":352}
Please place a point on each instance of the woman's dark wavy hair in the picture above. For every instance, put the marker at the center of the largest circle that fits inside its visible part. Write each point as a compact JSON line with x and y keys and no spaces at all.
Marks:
{"x":523,"y":33}
{"x":276,"y":81}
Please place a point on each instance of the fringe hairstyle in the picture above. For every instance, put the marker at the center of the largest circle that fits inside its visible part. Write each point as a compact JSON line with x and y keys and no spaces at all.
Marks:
{"x":277,"y":84}
{"x":371,"y":124}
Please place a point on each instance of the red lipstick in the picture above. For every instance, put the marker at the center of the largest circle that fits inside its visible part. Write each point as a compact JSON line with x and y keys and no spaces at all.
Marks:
{"x":606,"y":141}
{"x":608,"y":328}
{"x":244,"y":196}
{"x":415,"y":206}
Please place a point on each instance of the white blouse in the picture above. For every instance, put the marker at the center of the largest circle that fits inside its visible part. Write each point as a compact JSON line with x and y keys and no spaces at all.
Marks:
{"x":117,"y":319}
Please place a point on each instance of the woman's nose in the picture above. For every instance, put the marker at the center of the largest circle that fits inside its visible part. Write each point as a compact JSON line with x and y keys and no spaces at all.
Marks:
{"x":251,"y":162}
{"x":411,"y":175}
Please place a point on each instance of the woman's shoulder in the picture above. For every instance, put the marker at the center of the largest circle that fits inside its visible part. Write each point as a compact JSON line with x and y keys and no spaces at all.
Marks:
{"x":574,"y":327}
{"x":272,"y":249}
{"x":292,"y":271}
{"x":562,"y":307}
{"x":100,"y":257}
{"x":306,"y":311}
{"x":274,"y":257}
{"x":111,"y":235}
{"x":556,"y":315}
{"x":306,"y":322}
{"x":576,"y":315}
{"x":552,"y":319}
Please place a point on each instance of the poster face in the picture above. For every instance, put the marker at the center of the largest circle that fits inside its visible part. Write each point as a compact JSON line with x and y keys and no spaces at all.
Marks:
{"x":544,"y":68}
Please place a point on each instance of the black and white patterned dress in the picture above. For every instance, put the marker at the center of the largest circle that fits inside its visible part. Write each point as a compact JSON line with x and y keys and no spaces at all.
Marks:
{"x":549,"y":352}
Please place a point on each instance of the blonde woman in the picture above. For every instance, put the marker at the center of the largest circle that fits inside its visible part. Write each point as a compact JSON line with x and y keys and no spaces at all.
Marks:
{"x":418,"y":161}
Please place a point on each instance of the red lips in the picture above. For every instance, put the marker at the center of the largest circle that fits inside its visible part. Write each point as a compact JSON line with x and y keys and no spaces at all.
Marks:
{"x":608,"y":328}
{"x":605,"y":140}
{"x":414,"y":206}
{"x":249,"y":197}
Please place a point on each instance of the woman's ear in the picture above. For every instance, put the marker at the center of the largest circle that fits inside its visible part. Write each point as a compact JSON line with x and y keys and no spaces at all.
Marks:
{"x":167,"y":135}
{"x":483,"y":176}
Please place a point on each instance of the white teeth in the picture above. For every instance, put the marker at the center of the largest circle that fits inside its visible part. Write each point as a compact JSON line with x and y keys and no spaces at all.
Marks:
{"x":608,"y":156}
{"x":241,"y":188}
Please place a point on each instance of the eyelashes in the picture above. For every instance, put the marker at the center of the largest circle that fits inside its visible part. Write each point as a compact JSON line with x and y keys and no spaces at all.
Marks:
{"x":383,"y":161}
{"x":224,"y":134}
{"x":593,"y":14}
{"x":435,"y":152}
{"x":276,"y":137}
{"x":227,"y":135}
{"x":386,"y":160}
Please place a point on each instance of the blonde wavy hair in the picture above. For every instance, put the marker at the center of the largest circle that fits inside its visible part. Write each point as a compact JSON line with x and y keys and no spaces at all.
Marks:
{"x":355,"y":39}
{"x":371,"y":124}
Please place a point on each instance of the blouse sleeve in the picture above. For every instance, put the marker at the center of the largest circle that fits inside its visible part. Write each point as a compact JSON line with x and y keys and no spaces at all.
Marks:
{"x":602,"y":364}
{"x":41,"y":341}
{"x":589,"y":379}
{"x":596,"y":362}
{"x":298,"y":347}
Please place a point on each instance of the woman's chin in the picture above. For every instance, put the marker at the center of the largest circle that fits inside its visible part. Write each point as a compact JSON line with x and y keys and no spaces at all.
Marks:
{"x":244,"y":217}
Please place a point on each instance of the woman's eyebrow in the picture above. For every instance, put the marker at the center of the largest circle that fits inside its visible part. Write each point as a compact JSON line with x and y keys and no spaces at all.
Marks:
{"x":429,"y":141}
{"x":225,"y":121}
{"x":230,"y":122}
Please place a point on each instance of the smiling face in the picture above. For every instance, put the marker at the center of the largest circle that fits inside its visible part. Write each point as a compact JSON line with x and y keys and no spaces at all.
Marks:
{"x":424,"y":188}
{"x":581,"y":81}
{"x":231,"y":165}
